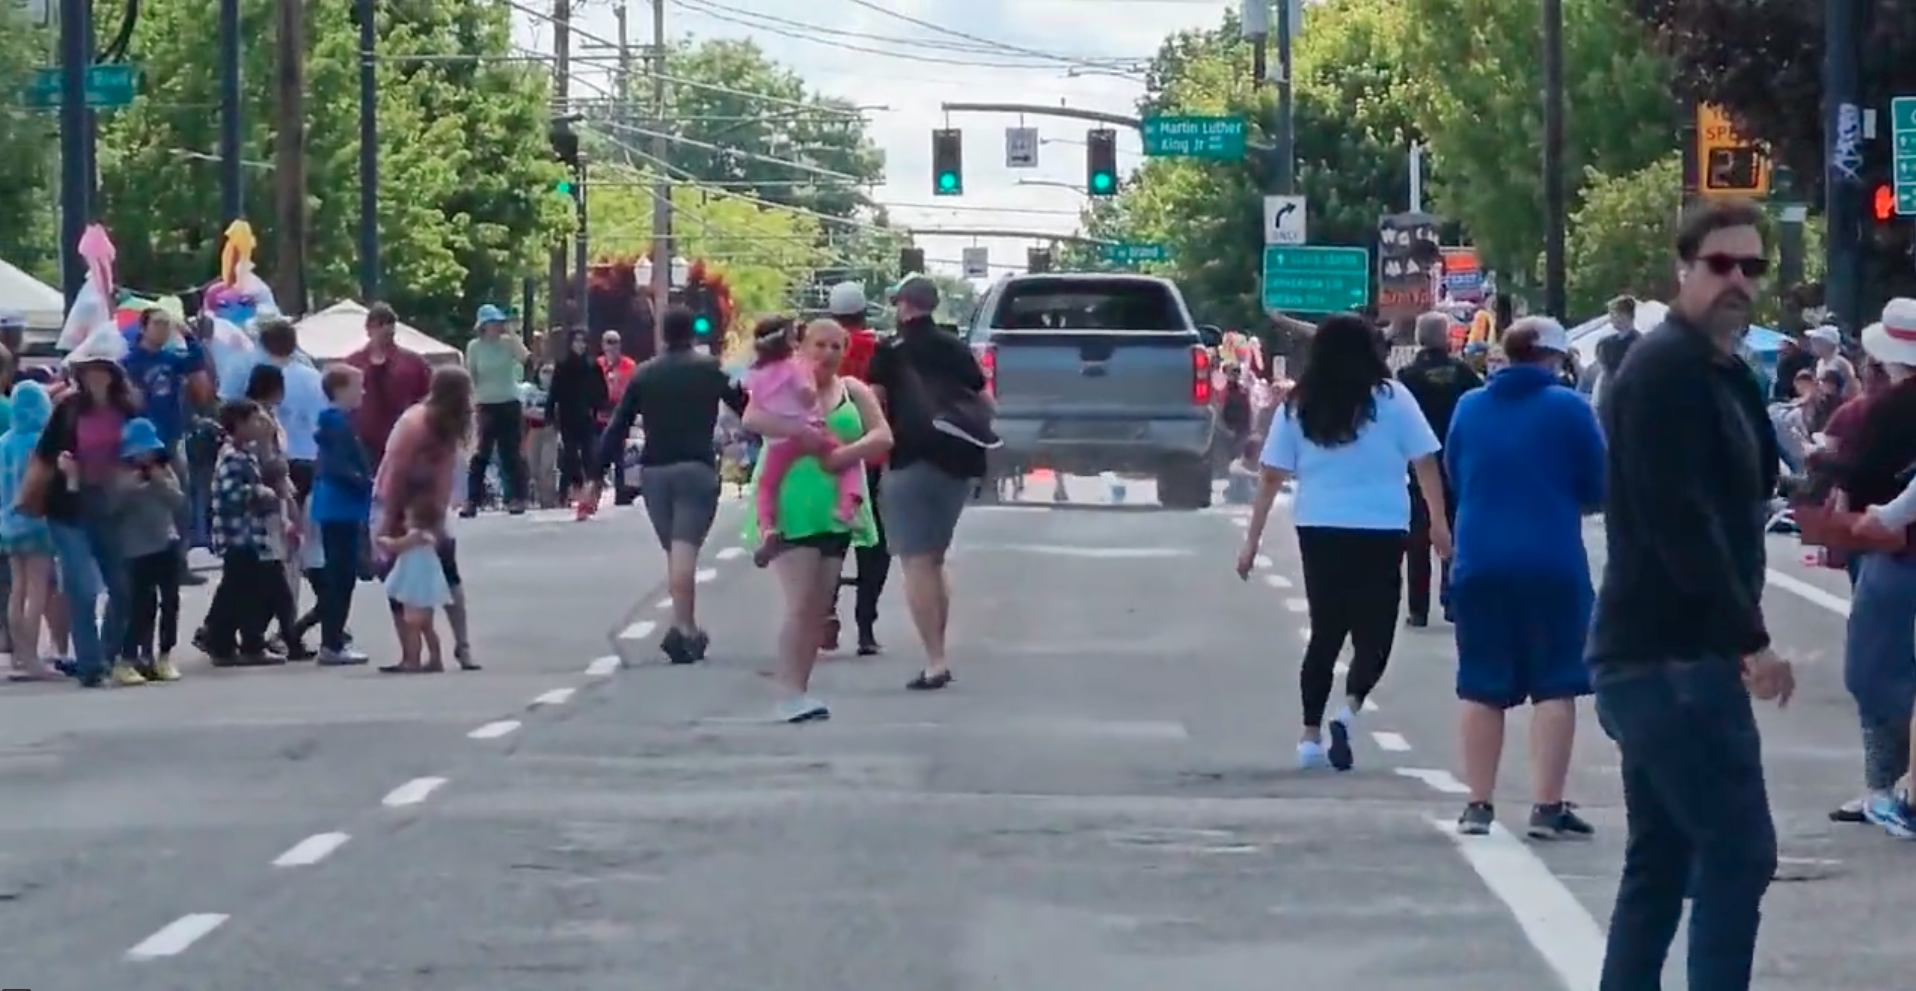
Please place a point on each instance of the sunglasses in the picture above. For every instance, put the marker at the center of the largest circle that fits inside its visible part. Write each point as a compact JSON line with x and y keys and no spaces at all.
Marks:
{"x":1752,"y":268}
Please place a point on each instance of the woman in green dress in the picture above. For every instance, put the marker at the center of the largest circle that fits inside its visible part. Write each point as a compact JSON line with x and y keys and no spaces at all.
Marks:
{"x":816,"y":539}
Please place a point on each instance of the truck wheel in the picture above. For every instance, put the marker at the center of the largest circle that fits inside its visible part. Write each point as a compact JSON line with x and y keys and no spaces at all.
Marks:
{"x":1185,"y":486}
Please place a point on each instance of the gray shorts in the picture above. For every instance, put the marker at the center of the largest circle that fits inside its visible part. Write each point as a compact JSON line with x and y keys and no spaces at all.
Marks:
{"x":681,"y":501}
{"x":921,"y":504}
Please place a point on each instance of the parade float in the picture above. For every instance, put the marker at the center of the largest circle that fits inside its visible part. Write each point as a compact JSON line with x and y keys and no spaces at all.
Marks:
{"x":619,"y":299}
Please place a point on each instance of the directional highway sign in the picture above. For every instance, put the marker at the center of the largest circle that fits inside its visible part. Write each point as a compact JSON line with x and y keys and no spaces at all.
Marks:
{"x":1902,"y":115}
{"x":1194,"y":137}
{"x":1315,"y":280}
{"x":106,"y":86}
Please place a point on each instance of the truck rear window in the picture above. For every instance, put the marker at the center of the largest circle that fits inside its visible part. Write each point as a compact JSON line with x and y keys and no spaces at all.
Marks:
{"x":1088,"y":304}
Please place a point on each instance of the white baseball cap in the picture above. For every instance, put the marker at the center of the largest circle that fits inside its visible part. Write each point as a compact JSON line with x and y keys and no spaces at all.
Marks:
{"x":846,"y":299}
{"x":1550,"y":334}
{"x":1826,"y":333}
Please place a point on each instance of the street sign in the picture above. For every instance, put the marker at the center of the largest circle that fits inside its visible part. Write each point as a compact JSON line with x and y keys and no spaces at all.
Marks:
{"x":1727,"y":164}
{"x":977,"y":263}
{"x":1131,"y":254}
{"x":1902,"y":128}
{"x":1285,"y":220}
{"x":1194,"y":137}
{"x":1315,"y":280}
{"x":1021,"y":147}
{"x":106,"y":86}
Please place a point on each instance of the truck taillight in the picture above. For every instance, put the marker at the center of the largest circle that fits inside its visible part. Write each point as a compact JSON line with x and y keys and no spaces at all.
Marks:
{"x":1200,"y":376}
{"x":988,"y":363}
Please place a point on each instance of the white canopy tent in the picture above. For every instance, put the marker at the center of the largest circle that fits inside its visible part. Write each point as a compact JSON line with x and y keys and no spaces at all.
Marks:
{"x":337,"y":331}
{"x":44,"y":306}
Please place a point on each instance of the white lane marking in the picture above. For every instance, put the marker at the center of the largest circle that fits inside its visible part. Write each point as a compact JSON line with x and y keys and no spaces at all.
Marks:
{"x":1304,"y":632}
{"x":412,"y":792}
{"x":494,"y":730}
{"x":1815,"y":595}
{"x":704,"y":575}
{"x":1297,"y":605}
{"x":1242,"y":521}
{"x":603,"y":666}
{"x":1393,"y":742}
{"x":639,"y":630}
{"x":311,"y":850}
{"x":1277,"y":581}
{"x":1342,"y":667}
{"x":1262,"y":561}
{"x":1557,"y":925}
{"x":176,"y":936}
{"x":1440,"y":780}
{"x":728,"y":553}
{"x":557,"y":696}
{"x":662,"y":604}
{"x":1370,"y":706}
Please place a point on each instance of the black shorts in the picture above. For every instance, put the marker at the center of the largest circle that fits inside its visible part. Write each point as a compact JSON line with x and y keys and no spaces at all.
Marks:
{"x":448,"y":551}
{"x":828,"y":545}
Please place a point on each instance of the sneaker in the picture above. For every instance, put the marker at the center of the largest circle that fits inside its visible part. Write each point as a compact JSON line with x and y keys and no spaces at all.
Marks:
{"x":163,"y":669}
{"x":1416,"y":622}
{"x":1310,"y":756}
{"x":1850,"y":811}
{"x":1893,"y":813}
{"x":1477,"y":819}
{"x":345,"y":657}
{"x":1341,"y":756}
{"x":1558,"y":822}
{"x":126,"y":674}
{"x":801,"y":709}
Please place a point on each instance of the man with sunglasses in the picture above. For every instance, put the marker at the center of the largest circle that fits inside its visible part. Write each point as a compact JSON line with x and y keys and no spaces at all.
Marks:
{"x":1678,"y":646}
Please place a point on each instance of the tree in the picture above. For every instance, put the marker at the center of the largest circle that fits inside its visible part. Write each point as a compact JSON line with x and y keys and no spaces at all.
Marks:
{"x":1482,"y":114}
{"x":28,"y":189}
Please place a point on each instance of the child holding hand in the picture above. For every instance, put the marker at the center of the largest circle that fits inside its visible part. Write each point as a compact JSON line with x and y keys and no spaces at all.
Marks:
{"x":417,"y":586}
{"x":784,"y":384}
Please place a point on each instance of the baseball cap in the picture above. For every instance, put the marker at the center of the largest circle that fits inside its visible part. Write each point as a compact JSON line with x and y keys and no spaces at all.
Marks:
{"x":490,"y":314}
{"x":1827,"y":333}
{"x":846,"y":299}
{"x":918,"y":290}
{"x":1552,"y":337}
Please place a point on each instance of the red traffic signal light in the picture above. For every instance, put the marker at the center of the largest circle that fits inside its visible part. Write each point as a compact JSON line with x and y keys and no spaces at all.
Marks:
{"x":1883,"y":204}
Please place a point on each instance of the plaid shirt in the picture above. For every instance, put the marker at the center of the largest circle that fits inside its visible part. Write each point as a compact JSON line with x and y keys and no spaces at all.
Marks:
{"x":241,"y":519}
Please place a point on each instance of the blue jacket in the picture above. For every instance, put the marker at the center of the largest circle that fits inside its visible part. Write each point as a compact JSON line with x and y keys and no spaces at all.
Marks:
{"x":343,"y":476}
{"x":32,"y":408}
{"x":1525,"y":461}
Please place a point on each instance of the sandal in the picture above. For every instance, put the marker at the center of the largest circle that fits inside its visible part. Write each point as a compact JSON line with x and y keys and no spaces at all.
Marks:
{"x":403,"y":669}
{"x":463,"y":654}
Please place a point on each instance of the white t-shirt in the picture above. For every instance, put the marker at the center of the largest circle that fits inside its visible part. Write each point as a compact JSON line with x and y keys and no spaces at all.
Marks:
{"x":1361,"y":485}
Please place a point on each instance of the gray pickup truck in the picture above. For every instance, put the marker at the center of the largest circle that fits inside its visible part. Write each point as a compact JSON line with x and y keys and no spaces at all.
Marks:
{"x":1096,"y":373}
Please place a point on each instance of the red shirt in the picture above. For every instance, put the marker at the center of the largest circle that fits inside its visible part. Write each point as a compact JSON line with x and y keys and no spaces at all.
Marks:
{"x":392,"y":387}
{"x":859,"y":348}
{"x":617,"y":377}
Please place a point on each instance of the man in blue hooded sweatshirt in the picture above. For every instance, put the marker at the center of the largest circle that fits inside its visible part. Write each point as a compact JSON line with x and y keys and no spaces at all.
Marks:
{"x":1525,"y":461}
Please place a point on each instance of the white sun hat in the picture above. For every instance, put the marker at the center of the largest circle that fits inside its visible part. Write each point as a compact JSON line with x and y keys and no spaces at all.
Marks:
{"x":105,"y":346}
{"x":1893,"y":341}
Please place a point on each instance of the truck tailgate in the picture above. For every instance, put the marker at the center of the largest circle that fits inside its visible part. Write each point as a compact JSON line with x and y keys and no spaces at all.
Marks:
{"x":1094,"y":373}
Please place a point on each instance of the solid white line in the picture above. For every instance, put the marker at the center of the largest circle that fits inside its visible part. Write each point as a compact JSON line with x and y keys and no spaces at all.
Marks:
{"x":704,"y":575}
{"x":1277,"y":581}
{"x":1262,"y":561}
{"x":412,"y":792}
{"x":603,"y":666}
{"x":311,"y":850}
{"x":494,"y":730}
{"x":1443,"y":781}
{"x":1815,"y":595}
{"x":639,"y":630}
{"x":1393,"y":742}
{"x":728,"y":553}
{"x":1560,"y":928}
{"x":177,"y":936}
{"x":1297,"y":605}
{"x":557,"y":696}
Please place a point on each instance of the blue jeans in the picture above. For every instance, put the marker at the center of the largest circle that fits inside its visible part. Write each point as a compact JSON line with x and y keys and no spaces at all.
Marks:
{"x":1698,"y":821}
{"x":1879,"y":662}
{"x":87,"y":554}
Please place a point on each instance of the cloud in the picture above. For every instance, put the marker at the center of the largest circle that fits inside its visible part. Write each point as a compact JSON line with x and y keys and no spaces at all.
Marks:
{"x":992,"y":65}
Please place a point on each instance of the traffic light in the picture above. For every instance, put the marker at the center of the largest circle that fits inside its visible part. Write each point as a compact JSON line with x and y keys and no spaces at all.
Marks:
{"x":1037,"y":260}
{"x":1883,"y":203}
{"x":1101,"y":162}
{"x":698,"y":299}
{"x":565,"y":148}
{"x":947,"y":162}
{"x":911,"y":261}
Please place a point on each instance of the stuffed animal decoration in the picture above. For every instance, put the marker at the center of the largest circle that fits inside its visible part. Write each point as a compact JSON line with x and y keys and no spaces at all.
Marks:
{"x":93,"y":308}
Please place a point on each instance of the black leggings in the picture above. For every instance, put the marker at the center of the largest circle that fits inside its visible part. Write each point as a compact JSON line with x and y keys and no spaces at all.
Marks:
{"x":575,"y":457}
{"x":1352,"y":579}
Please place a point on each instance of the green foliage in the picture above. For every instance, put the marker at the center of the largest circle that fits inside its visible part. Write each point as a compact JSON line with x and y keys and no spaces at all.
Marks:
{"x":28,"y":184}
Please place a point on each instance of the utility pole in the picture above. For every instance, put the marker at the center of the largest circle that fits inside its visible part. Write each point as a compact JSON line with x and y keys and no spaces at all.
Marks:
{"x":367,"y":13}
{"x":560,"y":312}
{"x":1843,"y":162}
{"x":662,"y":193}
{"x":232,"y":187}
{"x":1555,"y":204}
{"x":76,"y":137}
{"x":622,"y":109}
{"x":1286,"y":145}
{"x":289,"y":158}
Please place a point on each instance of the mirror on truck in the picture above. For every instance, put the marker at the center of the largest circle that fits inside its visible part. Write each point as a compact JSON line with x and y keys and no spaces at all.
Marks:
{"x":1210,"y":335}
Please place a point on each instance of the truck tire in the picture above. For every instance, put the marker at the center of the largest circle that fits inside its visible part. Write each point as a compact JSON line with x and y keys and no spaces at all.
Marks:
{"x":1185,"y":486}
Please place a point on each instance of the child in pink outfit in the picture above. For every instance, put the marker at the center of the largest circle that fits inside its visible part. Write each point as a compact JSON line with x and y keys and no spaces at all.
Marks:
{"x":782,"y":383}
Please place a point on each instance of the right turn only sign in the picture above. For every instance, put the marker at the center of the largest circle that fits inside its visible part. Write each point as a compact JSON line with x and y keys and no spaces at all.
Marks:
{"x":1285,"y":221}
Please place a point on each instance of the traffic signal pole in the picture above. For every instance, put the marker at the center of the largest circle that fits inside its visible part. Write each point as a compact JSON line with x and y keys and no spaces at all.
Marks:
{"x":368,"y":152}
{"x":662,"y":194}
{"x":1843,"y":162}
{"x":232,"y":188}
{"x":76,"y":138}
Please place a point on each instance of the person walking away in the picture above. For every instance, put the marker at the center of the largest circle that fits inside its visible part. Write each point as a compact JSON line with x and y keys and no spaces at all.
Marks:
{"x":846,"y":304}
{"x":422,"y":462}
{"x":252,"y":590}
{"x":1826,"y":345}
{"x":171,"y":378}
{"x":575,"y":404}
{"x":616,"y":371}
{"x":342,"y":507}
{"x":923,"y":375}
{"x":496,"y":360}
{"x":416,"y":586}
{"x":1438,"y":381}
{"x":782,"y":384}
{"x":1678,"y":647}
{"x":1347,"y":433}
{"x":1622,"y":312}
{"x":676,"y":394}
{"x":1524,"y":458}
{"x":27,"y":539}
{"x":394,"y":379}
{"x":147,"y":501}
{"x":542,"y":442}
{"x":817,"y":539}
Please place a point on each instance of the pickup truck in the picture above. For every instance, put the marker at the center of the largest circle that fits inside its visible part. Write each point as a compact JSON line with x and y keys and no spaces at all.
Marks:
{"x":1099,"y":372}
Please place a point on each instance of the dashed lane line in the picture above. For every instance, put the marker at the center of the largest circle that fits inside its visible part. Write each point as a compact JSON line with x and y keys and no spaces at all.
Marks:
{"x":1437,"y":779}
{"x":557,"y":696}
{"x":728,"y":553}
{"x":1393,"y":742}
{"x":704,"y":575}
{"x":176,"y":936}
{"x":603,"y":666}
{"x":1810,"y":593}
{"x":494,"y":730}
{"x":639,"y":630}
{"x":412,"y":792}
{"x":1262,"y":560}
{"x":1278,"y":581}
{"x":311,"y":850}
{"x":1297,"y":605}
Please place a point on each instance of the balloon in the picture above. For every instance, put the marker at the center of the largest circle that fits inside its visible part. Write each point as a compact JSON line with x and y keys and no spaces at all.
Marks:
{"x":237,"y":251}
{"x":98,"y":252}
{"x":90,"y":312}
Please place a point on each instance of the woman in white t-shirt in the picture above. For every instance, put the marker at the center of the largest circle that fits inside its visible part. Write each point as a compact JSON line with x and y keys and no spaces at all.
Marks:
{"x":1347,"y":432}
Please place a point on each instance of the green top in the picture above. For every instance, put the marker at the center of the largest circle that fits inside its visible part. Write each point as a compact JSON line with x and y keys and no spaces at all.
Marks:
{"x":497,"y":366}
{"x":808,"y":500}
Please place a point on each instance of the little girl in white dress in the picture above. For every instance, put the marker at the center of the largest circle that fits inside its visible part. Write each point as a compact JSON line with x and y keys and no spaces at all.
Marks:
{"x":417,"y":585}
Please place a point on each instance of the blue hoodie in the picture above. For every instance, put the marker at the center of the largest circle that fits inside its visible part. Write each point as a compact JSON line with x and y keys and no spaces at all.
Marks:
{"x":1525,"y":460}
{"x":32,"y":408}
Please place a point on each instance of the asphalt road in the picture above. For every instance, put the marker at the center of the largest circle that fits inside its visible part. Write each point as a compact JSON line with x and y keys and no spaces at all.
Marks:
{"x":1104,"y":799}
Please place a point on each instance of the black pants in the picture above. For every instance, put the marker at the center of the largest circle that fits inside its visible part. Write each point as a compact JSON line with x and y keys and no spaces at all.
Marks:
{"x":1417,"y":569}
{"x":502,"y":428}
{"x":154,"y":580}
{"x":576,"y":456}
{"x":1351,"y":580}
{"x":252,"y":593}
{"x":340,"y":542}
{"x":874,"y":566}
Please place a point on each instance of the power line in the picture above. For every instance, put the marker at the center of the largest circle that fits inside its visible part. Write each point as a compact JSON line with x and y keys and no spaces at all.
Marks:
{"x":964,"y":47}
{"x":834,"y":38}
{"x":1002,"y":46}
{"x":1034,"y":211}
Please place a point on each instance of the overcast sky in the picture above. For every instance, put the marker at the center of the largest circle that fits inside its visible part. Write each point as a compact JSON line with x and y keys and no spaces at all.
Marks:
{"x":1001,"y":41}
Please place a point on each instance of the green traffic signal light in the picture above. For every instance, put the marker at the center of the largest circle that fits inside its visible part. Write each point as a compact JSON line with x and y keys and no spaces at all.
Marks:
{"x":701,"y":325}
{"x":1101,"y":182}
{"x":562,"y":187}
{"x":948,"y":181}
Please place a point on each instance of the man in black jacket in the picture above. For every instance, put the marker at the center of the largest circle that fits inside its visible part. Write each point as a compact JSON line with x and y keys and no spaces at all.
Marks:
{"x":1437,"y":381}
{"x":1678,"y":645}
